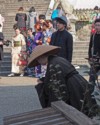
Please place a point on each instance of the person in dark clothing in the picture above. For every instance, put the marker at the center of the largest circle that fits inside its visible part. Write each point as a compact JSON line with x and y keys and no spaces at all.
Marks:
{"x":63,"y":39}
{"x":21,"y":19}
{"x":1,"y":45}
{"x":62,"y":81}
{"x":94,"y":52}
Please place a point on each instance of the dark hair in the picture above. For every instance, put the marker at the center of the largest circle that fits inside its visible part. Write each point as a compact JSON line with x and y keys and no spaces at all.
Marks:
{"x":41,"y":16}
{"x":20,"y":9}
{"x":15,"y":26}
{"x":58,"y":8}
{"x":32,"y":9}
{"x":46,"y":23}
{"x":97,"y":20}
{"x":96,"y":8}
{"x":50,"y":21}
{"x":29,"y":29}
{"x":37,"y":26}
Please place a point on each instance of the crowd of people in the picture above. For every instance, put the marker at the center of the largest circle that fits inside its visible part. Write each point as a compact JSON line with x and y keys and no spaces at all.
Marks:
{"x":32,"y":30}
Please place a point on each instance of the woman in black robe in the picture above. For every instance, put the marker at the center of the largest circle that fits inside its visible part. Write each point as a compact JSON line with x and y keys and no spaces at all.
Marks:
{"x":62,"y":81}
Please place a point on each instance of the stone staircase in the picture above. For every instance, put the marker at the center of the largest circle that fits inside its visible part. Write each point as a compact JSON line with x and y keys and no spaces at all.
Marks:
{"x":11,"y":7}
{"x":80,"y":52}
{"x":8,"y":9}
{"x":5,"y":67}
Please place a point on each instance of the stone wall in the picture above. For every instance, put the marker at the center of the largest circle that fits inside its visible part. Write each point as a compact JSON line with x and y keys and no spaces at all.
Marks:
{"x":83,"y":30}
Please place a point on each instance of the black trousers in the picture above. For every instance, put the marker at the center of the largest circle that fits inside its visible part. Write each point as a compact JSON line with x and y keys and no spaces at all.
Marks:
{"x":1,"y":52}
{"x":93,"y":74}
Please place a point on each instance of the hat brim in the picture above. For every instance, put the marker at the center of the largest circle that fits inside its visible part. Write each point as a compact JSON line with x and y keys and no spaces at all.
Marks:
{"x":39,"y":51}
{"x":59,"y":18}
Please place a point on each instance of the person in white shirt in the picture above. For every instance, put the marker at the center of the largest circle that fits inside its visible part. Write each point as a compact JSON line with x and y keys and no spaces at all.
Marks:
{"x":1,"y":22}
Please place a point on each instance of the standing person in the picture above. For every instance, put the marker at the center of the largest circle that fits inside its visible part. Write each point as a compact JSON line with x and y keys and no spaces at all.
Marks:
{"x":18,"y":45}
{"x":1,"y":36}
{"x":32,"y":18}
{"x":94,"y":51}
{"x":30,"y":45}
{"x":63,"y":39}
{"x":62,"y":81}
{"x":46,"y":33}
{"x":21,"y":19}
{"x":51,"y":29}
{"x":1,"y":46}
{"x":38,"y":40}
{"x":1,"y":22}
{"x":42,"y":19}
{"x":56,"y":13}
{"x":38,"y":34}
{"x":95,"y":15}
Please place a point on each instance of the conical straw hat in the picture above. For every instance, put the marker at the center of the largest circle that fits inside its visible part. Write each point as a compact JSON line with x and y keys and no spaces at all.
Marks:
{"x":39,"y":51}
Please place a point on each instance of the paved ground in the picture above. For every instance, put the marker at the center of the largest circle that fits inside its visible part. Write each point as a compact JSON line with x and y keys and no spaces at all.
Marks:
{"x":17,"y":95}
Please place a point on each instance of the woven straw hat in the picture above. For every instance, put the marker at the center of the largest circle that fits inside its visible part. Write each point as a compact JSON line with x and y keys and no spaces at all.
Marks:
{"x":39,"y":51}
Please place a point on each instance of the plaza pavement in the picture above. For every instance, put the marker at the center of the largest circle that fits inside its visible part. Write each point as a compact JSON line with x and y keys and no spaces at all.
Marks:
{"x":17,"y":95}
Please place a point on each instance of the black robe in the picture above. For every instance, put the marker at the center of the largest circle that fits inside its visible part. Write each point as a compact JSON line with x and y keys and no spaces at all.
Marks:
{"x":95,"y":44}
{"x":62,"y":82}
{"x":64,"y":40}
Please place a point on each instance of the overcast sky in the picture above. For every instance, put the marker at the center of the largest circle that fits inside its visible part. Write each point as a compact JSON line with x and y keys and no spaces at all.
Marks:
{"x":84,"y":4}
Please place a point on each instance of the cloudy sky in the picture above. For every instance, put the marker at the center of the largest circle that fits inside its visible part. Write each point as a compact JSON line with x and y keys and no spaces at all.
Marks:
{"x":80,"y":4}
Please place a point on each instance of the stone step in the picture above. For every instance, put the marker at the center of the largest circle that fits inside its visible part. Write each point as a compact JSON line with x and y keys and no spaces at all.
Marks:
{"x":83,"y":45}
{"x":77,"y":62}
{"x":37,"y":5}
{"x":7,"y":58}
{"x":4,"y":73}
{"x":7,"y":54}
{"x":6,"y":63}
{"x":7,"y":50}
{"x":77,"y":58}
{"x":80,"y":55}
{"x":80,"y":51}
{"x":5,"y":68}
{"x":9,"y":22}
{"x":80,"y":61}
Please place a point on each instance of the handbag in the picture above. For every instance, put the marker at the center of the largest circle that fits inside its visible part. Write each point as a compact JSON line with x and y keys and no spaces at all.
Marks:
{"x":22,"y":58}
